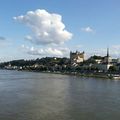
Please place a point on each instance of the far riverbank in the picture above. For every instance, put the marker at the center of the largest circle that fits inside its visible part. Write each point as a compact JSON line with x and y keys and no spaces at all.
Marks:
{"x":94,"y":75}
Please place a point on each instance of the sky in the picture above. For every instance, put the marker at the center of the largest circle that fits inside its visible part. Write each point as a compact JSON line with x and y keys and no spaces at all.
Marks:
{"x":31,"y":29}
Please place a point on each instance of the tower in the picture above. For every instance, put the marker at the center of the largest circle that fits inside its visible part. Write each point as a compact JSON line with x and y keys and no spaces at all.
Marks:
{"x":107,"y":58}
{"x":107,"y":52}
{"x":76,"y":57}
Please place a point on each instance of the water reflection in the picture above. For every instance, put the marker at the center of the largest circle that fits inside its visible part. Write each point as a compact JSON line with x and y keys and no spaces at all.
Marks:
{"x":40,"y":96}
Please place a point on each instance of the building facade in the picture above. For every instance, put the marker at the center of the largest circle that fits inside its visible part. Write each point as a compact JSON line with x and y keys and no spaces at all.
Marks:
{"x":106,"y":63}
{"x":107,"y":59}
{"x":76,"y":57}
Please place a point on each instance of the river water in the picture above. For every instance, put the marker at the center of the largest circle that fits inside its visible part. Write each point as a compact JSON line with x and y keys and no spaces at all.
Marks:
{"x":41,"y":96}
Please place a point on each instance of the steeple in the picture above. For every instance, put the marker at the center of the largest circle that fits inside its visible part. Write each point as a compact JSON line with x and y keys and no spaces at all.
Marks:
{"x":107,"y":52}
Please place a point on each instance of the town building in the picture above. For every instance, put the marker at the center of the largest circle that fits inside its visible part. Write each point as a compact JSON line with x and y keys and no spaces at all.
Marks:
{"x":107,"y":59}
{"x":105,"y":64}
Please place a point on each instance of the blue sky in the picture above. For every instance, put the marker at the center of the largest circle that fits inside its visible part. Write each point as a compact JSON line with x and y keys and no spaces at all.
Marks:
{"x":92,"y":25}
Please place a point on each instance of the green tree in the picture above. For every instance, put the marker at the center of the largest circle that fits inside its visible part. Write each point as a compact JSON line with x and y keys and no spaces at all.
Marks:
{"x":112,"y":68}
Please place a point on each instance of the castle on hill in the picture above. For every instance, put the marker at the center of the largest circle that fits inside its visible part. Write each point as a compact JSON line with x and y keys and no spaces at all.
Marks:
{"x":76,"y":57}
{"x":102,"y":63}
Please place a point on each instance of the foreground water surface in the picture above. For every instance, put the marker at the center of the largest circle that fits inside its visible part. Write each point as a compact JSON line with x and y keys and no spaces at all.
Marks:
{"x":40,"y":96}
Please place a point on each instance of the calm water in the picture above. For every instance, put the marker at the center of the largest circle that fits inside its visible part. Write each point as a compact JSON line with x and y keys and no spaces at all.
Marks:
{"x":40,"y":96}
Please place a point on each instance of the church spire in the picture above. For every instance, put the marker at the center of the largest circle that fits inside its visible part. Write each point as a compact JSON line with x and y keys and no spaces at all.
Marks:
{"x":107,"y":52}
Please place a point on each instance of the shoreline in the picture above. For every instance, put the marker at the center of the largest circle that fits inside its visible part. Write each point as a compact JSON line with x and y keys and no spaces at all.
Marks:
{"x":91,"y":75}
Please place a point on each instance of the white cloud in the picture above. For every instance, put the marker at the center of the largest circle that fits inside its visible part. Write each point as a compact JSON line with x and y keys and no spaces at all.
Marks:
{"x":87,"y":29}
{"x":59,"y":52}
{"x":47,"y":28}
{"x":114,"y":51}
{"x":116,"y":47}
{"x":78,"y":46}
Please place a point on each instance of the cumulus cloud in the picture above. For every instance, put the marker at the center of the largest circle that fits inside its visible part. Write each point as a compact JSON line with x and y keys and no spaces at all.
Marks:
{"x":59,"y":52}
{"x":87,"y":29}
{"x":47,"y":28}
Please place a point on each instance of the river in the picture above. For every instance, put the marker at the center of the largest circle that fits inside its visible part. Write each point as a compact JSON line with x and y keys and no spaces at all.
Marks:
{"x":44,"y":96}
